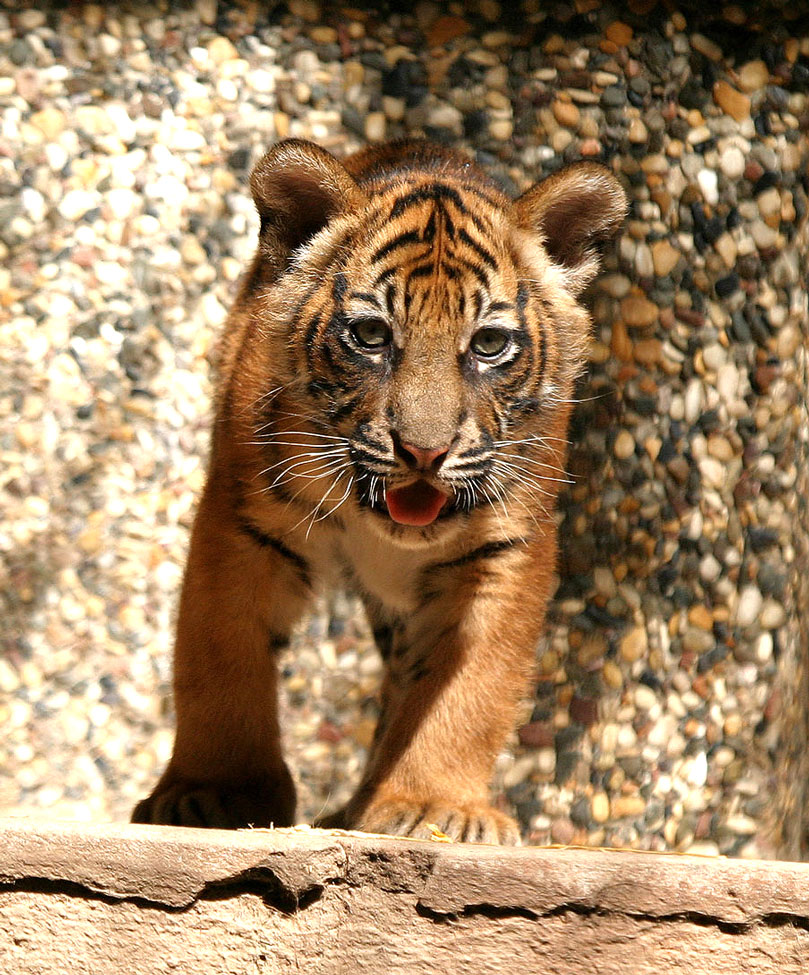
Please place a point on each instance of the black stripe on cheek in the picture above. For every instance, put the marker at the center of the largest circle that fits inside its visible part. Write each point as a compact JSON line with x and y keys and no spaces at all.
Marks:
{"x":322,"y":387}
{"x":527,"y":404}
{"x":346,"y":407}
{"x":476,"y":451}
{"x":307,"y":297}
{"x":486,"y":256}
{"x":485,"y":551}
{"x":511,"y":392}
{"x":522,"y":304}
{"x":328,"y":357}
{"x":523,"y":356}
{"x":311,"y":329}
{"x":362,"y":438}
{"x":350,"y":357}
{"x":267,"y":541}
{"x":543,"y":353}
{"x":311,"y":344}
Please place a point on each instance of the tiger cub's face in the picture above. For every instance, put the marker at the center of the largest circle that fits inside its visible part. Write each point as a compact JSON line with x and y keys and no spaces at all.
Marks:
{"x":435,"y":335}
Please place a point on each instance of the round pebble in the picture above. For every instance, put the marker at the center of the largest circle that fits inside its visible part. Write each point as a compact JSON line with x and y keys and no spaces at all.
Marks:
{"x":624,"y":445}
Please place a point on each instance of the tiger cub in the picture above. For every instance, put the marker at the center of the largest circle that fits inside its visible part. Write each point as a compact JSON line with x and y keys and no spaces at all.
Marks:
{"x":396,"y":377}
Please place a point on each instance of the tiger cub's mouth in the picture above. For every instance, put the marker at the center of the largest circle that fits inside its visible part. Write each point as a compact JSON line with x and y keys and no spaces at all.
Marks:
{"x":417,"y":504}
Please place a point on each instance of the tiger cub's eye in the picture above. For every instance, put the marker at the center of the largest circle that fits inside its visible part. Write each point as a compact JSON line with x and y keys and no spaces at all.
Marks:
{"x":489,"y":343}
{"x":370,"y":333}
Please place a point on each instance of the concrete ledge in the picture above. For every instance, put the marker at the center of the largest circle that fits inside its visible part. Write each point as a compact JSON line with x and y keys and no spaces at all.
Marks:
{"x":124,"y":899}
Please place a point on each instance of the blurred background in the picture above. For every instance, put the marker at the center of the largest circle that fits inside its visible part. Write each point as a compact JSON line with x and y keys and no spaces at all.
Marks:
{"x":672,"y":698}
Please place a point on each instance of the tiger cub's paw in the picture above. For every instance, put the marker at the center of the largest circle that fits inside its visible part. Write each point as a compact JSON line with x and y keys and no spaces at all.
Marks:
{"x":463,"y":823}
{"x":219,"y":807}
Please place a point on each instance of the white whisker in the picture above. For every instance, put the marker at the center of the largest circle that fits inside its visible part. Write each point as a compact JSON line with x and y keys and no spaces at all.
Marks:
{"x":331,"y":511}
{"x":294,"y":497}
{"x":524,"y":477}
{"x":298,"y":460}
{"x":514,"y":462}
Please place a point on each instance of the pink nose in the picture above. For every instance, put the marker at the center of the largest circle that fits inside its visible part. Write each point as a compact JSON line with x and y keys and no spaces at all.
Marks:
{"x":424,"y":457}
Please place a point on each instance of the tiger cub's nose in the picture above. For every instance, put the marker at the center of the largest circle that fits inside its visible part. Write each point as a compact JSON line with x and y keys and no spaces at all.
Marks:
{"x":422,"y":458}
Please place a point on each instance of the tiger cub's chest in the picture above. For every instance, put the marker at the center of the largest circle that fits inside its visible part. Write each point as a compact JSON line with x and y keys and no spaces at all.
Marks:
{"x":393,"y":577}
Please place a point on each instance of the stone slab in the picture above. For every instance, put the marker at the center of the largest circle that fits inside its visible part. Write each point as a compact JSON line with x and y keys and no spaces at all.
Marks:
{"x":157,"y":900}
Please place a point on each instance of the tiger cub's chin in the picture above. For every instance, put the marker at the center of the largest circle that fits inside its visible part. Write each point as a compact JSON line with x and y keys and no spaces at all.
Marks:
{"x":395,"y":383}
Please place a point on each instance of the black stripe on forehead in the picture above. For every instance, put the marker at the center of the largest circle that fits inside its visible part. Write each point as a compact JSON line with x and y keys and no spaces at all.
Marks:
{"x":441,"y":194}
{"x":401,"y":240}
{"x":485,"y":255}
{"x":339,"y":287}
{"x":428,"y":234}
{"x":421,"y":271}
{"x":366,"y":296}
{"x":384,"y":275}
{"x":479,"y":273}
{"x":435,"y":191}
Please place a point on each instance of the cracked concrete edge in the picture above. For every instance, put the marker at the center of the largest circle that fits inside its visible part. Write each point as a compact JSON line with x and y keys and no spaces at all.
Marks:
{"x":174,"y":867}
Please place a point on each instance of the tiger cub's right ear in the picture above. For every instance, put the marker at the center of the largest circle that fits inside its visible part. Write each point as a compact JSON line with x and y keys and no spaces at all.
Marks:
{"x":298,"y":188}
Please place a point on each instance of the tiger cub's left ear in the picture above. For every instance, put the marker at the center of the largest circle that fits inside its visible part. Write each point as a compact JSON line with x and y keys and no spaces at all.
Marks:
{"x":573,"y":211}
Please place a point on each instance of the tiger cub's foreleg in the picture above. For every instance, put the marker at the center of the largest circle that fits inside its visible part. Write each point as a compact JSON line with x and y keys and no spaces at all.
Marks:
{"x":457,"y":670}
{"x":241,"y":595}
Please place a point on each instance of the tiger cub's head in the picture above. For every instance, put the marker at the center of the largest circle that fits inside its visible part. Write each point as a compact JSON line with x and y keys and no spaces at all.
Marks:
{"x":425,"y":328}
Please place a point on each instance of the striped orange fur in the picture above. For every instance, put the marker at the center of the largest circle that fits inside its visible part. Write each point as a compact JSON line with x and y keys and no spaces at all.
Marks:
{"x":392,"y":410}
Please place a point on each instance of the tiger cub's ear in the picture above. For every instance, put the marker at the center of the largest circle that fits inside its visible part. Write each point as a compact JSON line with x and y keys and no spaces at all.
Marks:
{"x":573,"y":211}
{"x":298,"y":188}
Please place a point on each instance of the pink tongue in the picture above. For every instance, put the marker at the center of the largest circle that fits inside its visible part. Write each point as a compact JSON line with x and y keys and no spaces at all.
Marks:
{"x":417,"y":504}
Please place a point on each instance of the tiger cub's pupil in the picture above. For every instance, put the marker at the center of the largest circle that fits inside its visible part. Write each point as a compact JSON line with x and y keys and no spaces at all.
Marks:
{"x":371,"y":333}
{"x":488,"y":343}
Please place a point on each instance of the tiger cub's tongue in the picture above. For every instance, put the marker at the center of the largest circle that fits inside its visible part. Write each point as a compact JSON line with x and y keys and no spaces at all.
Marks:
{"x":416,"y":504}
